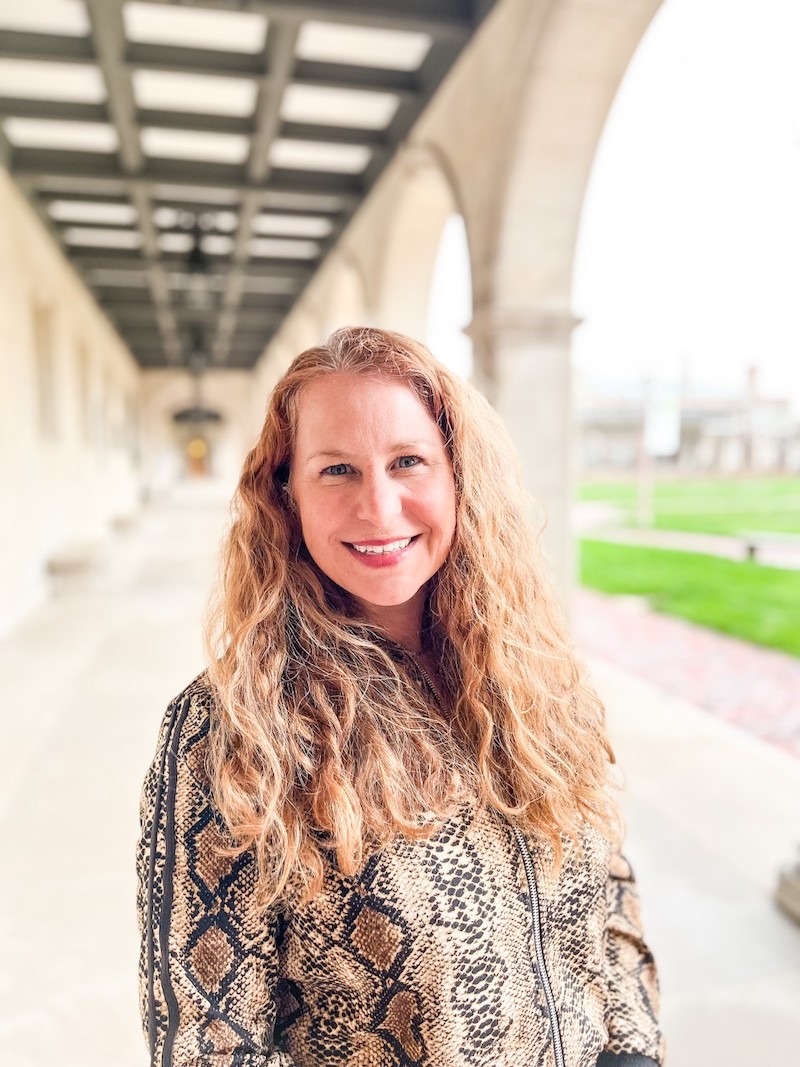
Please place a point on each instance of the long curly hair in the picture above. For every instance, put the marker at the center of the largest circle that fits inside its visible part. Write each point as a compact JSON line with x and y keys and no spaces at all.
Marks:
{"x":321,"y":746}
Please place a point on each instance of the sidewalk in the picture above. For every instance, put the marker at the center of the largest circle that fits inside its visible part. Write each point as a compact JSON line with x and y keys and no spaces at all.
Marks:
{"x":712,"y":812}
{"x":772,"y":550}
{"x":755,"y":688}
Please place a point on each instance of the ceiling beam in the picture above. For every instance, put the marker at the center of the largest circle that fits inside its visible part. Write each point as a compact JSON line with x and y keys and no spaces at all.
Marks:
{"x":317,"y":131}
{"x":48,"y":47}
{"x":348,"y":76}
{"x":81,"y":196}
{"x":194,"y":120}
{"x":153,"y":359}
{"x":183,"y":60}
{"x":71,"y":111}
{"x":89,"y":166}
{"x":6,"y":150}
{"x":133,"y":315}
{"x":266,"y":267}
{"x":278,"y":64}
{"x":440,"y":18}
{"x":108,"y":37}
{"x":438,"y":61}
{"x":189,"y":120}
{"x":242,"y":325}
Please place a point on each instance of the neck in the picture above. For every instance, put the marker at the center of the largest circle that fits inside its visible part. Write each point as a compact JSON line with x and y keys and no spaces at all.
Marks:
{"x":402,"y":622}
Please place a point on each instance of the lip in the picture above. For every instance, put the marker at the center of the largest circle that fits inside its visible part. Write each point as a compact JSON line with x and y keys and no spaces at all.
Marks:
{"x":381,"y":540}
{"x":378,"y":560}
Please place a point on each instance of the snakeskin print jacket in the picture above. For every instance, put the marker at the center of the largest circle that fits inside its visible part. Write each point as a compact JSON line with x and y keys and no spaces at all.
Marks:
{"x":461,"y":950}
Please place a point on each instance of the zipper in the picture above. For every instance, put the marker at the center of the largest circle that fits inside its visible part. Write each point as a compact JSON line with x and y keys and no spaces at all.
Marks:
{"x":536,"y":914}
{"x":434,"y":692}
{"x":424,"y":676}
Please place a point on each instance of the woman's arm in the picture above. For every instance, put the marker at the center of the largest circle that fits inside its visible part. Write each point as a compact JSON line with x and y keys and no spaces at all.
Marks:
{"x":634,"y":1037}
{"x":209,"y":961}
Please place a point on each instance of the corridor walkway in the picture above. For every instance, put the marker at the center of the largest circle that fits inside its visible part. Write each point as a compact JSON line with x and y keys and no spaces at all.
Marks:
{"x":711,"y":813}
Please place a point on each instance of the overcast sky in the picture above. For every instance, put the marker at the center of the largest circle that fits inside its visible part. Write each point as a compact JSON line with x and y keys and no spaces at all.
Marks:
{"x":689,"y":253}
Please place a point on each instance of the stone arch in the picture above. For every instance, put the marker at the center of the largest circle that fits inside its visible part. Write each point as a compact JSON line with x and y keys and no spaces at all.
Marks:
{"x":427,"y":197}
{"x":522,"y":327}
{"x":577,"y":66}
{"x":345,"y":298}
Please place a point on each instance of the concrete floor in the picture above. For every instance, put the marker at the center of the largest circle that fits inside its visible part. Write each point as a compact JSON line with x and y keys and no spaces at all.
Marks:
{"x":712,"y":812}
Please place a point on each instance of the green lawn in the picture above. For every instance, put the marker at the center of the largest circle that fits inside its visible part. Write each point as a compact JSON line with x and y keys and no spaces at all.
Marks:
{"x":722,"y":506}
{"x":758,"y":604}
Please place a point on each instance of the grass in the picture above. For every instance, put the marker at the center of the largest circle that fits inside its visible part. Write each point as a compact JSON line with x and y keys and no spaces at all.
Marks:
{"x":757,"y":604}
{"x":732,"y":506}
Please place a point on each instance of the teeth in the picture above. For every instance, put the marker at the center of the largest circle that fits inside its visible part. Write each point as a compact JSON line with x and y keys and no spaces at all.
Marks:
{"x":380,"y":550}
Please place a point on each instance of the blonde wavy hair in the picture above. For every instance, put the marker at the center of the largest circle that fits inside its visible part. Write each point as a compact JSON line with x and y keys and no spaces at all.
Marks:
{"x":319,"y":743}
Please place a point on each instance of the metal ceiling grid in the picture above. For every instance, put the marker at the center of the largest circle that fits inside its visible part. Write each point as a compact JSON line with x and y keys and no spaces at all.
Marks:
{"x":196,"y":162}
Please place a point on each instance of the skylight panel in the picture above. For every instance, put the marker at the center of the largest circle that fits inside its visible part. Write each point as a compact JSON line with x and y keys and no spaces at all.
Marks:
{"x":99,"y":238}
{"x":339,"y":107}
{"x":66,"y":17}
{"x":92,"y":212}
{"x":42,"y":80}
{"x":229,"y":31}
{"x":188,"y":144}
{"x":47,"y":133}
{"x":199,"y":93}
{"x":175,"y":242}
{"x":217,"y":244}
{"x":170,"y":218}
{"x":319,"y":155}
{"x":363,"y":46}
{"x":292,"y":226}
{"x":283,"y":249}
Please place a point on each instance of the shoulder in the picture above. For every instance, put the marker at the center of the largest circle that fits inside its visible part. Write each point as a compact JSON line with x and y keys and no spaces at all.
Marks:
{"x":186,"y":725}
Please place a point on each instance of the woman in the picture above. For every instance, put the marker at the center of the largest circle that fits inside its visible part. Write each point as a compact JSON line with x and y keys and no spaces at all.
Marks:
{"x":378,"y":831}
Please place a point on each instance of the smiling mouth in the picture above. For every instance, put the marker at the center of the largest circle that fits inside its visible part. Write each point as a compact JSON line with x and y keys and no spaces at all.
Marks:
{"x":386,"y":549}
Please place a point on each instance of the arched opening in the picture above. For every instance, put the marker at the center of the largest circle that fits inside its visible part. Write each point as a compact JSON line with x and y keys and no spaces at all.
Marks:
{"x":688,"y":262}
{"x":413,"y":243}
{"x":523,"y":333}
{"x":450,"y":299}
{"x":195,"y":430}
{"x":345,"y":299}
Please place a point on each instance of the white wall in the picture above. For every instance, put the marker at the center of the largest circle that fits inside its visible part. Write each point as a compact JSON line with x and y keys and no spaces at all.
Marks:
{"x":69,"y":396}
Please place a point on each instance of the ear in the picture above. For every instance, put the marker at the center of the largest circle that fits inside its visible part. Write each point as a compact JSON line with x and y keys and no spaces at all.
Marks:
{"x":288,"y":497}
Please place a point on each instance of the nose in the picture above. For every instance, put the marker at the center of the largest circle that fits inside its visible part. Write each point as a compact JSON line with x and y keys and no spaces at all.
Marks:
{"x":379,"y":500}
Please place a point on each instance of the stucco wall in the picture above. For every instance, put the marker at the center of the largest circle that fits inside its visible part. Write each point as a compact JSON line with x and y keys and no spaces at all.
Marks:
{"x":69,"y":435}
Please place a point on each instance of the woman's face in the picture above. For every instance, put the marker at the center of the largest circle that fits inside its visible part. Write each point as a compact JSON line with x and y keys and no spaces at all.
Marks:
{"x":374,"y":487}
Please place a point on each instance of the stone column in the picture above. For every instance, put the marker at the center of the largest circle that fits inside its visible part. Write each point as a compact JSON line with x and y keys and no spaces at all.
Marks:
{"x":522,"y":364}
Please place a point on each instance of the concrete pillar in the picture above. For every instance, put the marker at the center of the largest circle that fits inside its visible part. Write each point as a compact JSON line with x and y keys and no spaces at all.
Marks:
{"x":522,"y":365}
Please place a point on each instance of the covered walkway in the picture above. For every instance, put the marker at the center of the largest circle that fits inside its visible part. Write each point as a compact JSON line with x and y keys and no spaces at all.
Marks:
{"x":711,"y":813}
{"x":183,"y":210}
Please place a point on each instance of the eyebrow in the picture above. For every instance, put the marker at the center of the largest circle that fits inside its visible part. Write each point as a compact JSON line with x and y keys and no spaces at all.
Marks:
{"x":337,"y":453}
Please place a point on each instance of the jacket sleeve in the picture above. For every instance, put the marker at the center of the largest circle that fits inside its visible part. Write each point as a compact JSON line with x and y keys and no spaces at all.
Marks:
{"x":634,"y":1036}
{"x":209,"y":961}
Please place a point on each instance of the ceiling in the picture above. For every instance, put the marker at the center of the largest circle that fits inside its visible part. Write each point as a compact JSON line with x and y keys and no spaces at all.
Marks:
{"x":197,"y":161}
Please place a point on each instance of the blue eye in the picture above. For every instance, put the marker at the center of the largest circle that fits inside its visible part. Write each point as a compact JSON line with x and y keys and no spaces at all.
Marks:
{"x":336,"y":469}
{"x":408,"y":461}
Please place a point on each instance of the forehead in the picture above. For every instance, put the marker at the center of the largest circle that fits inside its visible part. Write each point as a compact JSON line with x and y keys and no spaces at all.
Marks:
{"x":344,"y":408}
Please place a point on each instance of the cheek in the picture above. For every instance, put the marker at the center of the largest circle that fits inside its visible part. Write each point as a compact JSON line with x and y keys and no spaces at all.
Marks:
{"x":440,"y":507}
{"x":320,"y":516}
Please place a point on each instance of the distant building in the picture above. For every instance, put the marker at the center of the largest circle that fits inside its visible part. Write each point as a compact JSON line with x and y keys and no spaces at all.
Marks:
{"x":717,"y":435}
